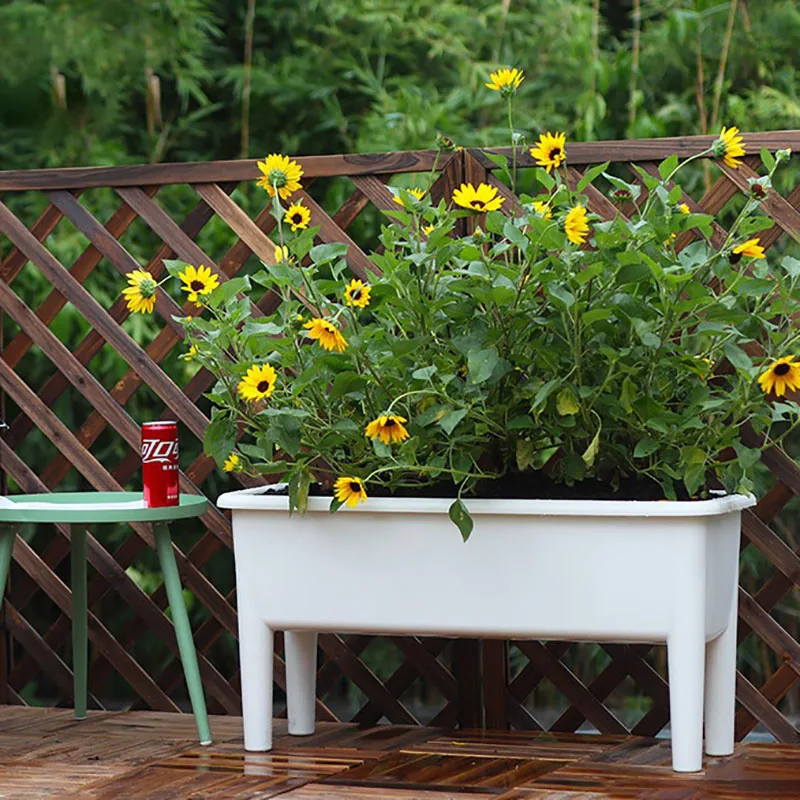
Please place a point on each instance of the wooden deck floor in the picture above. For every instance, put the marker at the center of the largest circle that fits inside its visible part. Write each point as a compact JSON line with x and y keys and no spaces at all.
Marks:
{"x":153,"y":756}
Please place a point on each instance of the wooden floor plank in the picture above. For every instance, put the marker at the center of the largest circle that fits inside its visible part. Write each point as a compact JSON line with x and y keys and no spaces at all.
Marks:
{"x":143,"y":755}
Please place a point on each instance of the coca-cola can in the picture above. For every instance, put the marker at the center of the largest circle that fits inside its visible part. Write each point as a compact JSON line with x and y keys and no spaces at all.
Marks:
{"x":160,"y":464}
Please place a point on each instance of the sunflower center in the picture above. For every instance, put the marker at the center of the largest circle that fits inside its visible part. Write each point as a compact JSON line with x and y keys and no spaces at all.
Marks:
{"x":263,"y":386}
{"x":296,"y":218}
{"x":197,"y":286}
{"x":355,"y":487}
{"x":389,"y":423}
{"x":780,"y":369}
{"x":735,"y":258}
{"x":477,"y":204}
{"x":277,"y":178}
{"x":555,"y":154}
{"x":355,"y":294}
{"x":147,"y":287}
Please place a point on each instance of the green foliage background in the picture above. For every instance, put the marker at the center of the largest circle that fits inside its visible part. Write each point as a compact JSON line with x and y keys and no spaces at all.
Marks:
{"x":89,"y":82}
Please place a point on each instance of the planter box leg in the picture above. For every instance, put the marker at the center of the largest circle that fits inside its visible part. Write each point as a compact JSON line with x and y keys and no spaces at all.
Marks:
{"x":301,"y":680}
{"x":686,"y":653}
{"x":255,"y":654}
{"x":721,"y":687}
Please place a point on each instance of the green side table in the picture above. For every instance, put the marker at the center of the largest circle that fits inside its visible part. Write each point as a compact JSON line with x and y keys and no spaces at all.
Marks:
{"x":83,"y":508}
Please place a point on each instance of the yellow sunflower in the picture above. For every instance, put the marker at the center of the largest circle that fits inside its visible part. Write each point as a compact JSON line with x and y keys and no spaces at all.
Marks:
{"x":258,"y":382}
{"x":749,"y":249}
{"x":327,"y":334}
{"x":782,"y":374}
{"x":484,"y":198}
{"x":429,"y":229}
{"x":197,"y":282}
{"x":350,"y":491}
{"x":729,"y":147}
{"x":684,"y":208}
{"x":140,"y":295}
{"x":542,"y":209}
{"x":414,"y":192}
{"x":282,"y":255}
{"x":549,"y":150}
{"x":388,"y":428}
{"x":356,"y":293}
{"x":298,"y":216}
{"x":506,"y":81}
{"x":281,"y":173}
{"x":575,"y":225}
{"x":231,"y":463}
{"x":190,"y":353}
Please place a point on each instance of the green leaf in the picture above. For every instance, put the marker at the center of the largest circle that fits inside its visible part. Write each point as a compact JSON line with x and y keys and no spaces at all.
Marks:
{"x":591,"y":175}
{"x":524,"y":454}
{"x":767,"y":159}
{"x":481,"y":364}
{"x":628,"y":394}
{"x":791,"y":265}
{"x":667,"y":166}
{"x":423,"y":373}
{"x":645,"y":334}
{"x":285,"y":429}
{"x":694,"y":477}
{"x":563,"y":296}
{"x":545,"y":178}
{"x":335,"y":505}
{"x":649,"y":181}
{"x":566,"y":403}
{"x":299,"y":485}
{"x":174,"y":267}
{"x":644,"y":447}
{"x":520,"y":422}
{"x":449,"y":421}
{"x":346,"y":425}
{"x":496,"y":159}
{"x":220,"y":437}
{"x":544,"y":392}
{"x":459,"y":514}
{"x":590,"y":454}
{"x":595,"y":315}
{"x":737,"y":357}
{"x":324,"y":253}
{"x":229,"y":289}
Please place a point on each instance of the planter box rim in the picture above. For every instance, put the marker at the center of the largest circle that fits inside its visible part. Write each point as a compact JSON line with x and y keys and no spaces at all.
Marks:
{"x":265,"y":498}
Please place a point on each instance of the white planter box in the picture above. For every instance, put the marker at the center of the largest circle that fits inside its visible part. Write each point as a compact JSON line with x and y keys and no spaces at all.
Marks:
{"x":604,"y":570}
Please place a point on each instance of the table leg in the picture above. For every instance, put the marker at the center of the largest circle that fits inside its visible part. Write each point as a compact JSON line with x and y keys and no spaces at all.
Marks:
{"x":183,"y":631}
{"x":80,"y":644}
{"x":7,"y":535}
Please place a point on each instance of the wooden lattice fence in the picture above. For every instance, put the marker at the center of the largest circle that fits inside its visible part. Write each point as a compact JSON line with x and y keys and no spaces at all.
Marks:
{"x":50,"y":235}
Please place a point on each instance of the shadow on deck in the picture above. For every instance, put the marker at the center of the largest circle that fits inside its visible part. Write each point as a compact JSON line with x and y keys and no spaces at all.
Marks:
{"x":142,"y":755}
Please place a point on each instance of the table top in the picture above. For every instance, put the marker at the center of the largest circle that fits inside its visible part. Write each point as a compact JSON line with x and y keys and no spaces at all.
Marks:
{"x":94,"y":508}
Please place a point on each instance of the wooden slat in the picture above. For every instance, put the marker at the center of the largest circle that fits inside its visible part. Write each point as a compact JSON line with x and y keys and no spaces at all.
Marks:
{"x":329,"y":231}
{"x":214,"y":171}
{"x":14,"y":262}
{"x":108,"y":246}
{"x":561,"y":677}
{"x":238,"y":220}
{"x":353,"y":666}
{"x":773,"y":204}
{"x":99,"y":319}
{"x":117,"y":224}
{"x":99,"y":635}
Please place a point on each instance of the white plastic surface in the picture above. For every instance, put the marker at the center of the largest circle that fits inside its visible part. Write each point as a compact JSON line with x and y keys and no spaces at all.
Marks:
{"x":585,"y":570}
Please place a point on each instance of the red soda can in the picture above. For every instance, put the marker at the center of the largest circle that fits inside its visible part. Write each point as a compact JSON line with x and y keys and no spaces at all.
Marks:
{"x":160,"y":463}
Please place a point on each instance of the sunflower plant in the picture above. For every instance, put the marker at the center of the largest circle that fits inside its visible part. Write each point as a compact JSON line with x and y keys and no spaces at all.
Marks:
{"x":497,"y":349}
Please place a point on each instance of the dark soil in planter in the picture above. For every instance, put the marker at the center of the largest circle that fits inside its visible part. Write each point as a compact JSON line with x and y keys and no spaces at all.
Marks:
{"x":528,"y":486}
